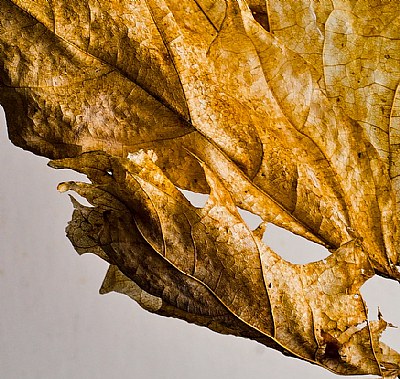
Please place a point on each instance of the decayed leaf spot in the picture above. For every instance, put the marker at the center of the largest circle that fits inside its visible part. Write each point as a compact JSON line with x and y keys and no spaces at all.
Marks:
{"x":284,"y":110}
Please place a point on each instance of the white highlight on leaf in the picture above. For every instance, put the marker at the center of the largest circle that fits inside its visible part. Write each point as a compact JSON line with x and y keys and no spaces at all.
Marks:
{"x":150,"y":153}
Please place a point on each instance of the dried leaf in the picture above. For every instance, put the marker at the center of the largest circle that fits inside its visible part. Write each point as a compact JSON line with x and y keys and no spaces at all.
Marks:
{"x":285,"y":109}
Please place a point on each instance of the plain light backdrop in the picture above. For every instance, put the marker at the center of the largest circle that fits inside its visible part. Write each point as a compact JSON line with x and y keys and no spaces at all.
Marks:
{"x":55,"y":325}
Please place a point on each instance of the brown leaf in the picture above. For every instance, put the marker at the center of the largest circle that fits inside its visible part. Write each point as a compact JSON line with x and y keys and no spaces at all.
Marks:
{"x":286,"y":109}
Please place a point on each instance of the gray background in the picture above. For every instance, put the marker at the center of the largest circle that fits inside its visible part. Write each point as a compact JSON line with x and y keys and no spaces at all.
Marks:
{"x":55,"y":325}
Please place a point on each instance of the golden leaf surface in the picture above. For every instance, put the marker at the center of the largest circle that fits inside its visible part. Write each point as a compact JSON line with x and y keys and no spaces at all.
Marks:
{"x":287,"y":109}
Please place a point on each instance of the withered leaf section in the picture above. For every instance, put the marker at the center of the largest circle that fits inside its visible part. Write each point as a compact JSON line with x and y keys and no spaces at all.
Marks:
{"x":287,"y":109}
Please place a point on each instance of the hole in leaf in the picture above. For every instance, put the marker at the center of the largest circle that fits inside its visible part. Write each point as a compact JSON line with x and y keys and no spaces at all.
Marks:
{"x":82,"y":200}
{"x":293,"y":248}
{"x":198,"y":200}
{"x":252,"y":220}
{"x":380,"y":293}
{"x":65,"y":175}
{"x":362,"y":325}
